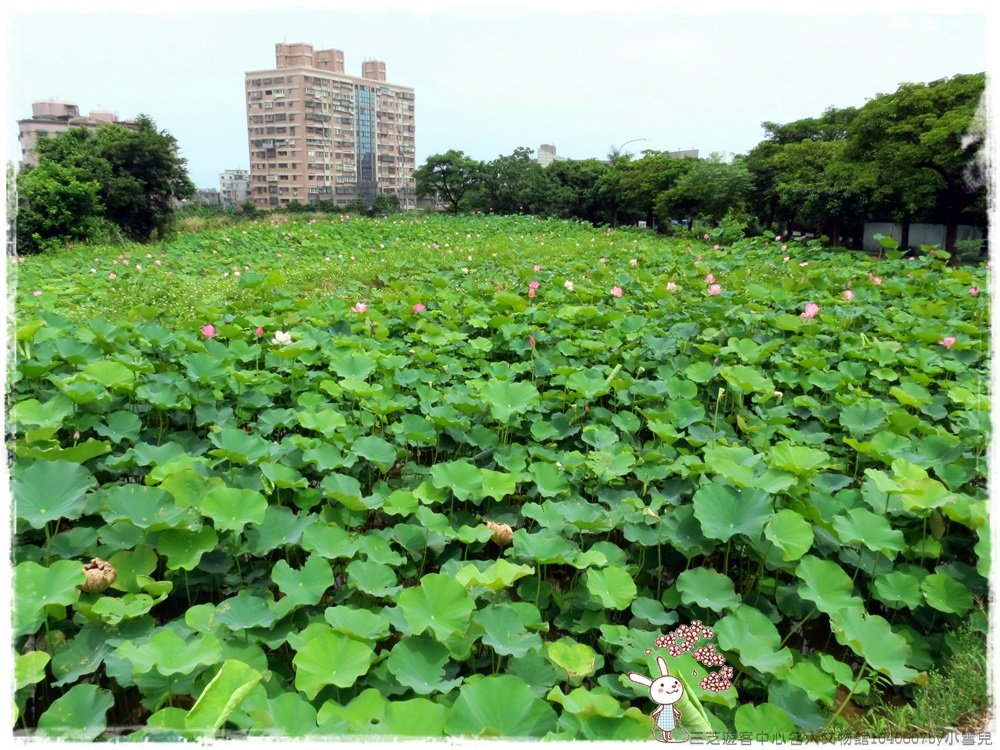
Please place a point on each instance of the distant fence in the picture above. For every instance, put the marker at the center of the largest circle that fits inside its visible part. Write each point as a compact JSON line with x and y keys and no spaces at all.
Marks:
{"x":920,"y":234}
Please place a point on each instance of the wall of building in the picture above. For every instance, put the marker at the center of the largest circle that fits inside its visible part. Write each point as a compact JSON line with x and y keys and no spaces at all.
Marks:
{"x":920,"y":234}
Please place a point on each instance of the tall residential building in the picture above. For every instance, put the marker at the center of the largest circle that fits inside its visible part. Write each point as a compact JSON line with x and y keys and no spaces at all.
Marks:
{"x":51,"y":117}
{"x":234,"y":186}
{"x":317,"y":133}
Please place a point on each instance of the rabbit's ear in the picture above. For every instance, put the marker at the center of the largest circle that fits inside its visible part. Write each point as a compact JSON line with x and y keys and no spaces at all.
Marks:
{"x":663,"y":666}
{"x":640,"y":678}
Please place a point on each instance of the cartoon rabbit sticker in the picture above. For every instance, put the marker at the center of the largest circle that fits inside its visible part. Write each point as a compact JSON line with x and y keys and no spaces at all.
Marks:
{"x":665,"y":691}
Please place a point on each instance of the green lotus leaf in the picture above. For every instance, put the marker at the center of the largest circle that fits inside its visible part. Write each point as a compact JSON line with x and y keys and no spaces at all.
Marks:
{"x":505,"y":631}
{"x":110,"y":374}
{"x":418,"y":662}
{"x":438,"y":604}
{"x":818,"y":684}
{"x":765,"y":722}
{"x":945,"y":594}
{"x":32,"y":412}
{"x":376,"y":450}
{"x":545,"y":546}
{"x":747,"y":379}
{"x":345,"y":490}
{"x":245,"y":610}
{"x":357,"y":717}
{"x":169,"y":654}
{"x":748,"y":632}
{"x":48,"y":490}
{"x":498,"y":484}
{"x":499,"y":574}
{"x":357,"y":623}
{"x":282,"y":477}
{"x":400,"y":503}
{"x":735,"y":463}
{"x":499,"y":706}
{"x":80,"y":714}
{"x":586,"y":703}
{"x":826,"y":585}
{"x":652,"y":612}
{"x":612,"y":586}
{"x":373,"y":578}
{"x":113,"y":610}
{"x":506,"y":398}
{"x":863,"y":417}
{"x":330,"y":658}
{"x":231,"y":509}
{"x":29,"y":668}
{"x":725,"y":511}
{"x":304,"y":586}
{"x":797,"y":459}
{"x":550,"y":480}
{"x":184,"y":548}
{"x":463,"y":479}
{"x":328,"y":540}
{"x":577,"y":660}
{"x":707,"y":588}
{"x":148,"y":508}
{"x":871,"y":530}
{"x":223,"y":695}
{"x":897,"y":589}
{"x":790,"y":532}
{"x":327,"y":422}
{"x":871,"y":638}
{"x":37,"y":587}
{"x":417,"y":717}
{"x":287,"y":715}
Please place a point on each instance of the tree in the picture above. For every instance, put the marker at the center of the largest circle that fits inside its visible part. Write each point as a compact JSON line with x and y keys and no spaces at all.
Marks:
{"x":516,"y":183}
{"x":449,"y":175}
{"x":921,"y":141}
{"x":638,"y":184}
{"x":706,"y":191}
{"x":55,"y":202}
{"x":140,"y":172}
{"x":575,"y":182}
{"x":386,"y":203}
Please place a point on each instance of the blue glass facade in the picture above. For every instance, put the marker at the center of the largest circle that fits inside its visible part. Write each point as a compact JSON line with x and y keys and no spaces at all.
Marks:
{"x":364,"y":123}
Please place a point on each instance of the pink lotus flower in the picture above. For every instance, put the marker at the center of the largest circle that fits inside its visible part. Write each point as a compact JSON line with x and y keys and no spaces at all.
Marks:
{"x":811,"y":309}
{"x":671,"y":286}
{"x":37,"y":292}
{"x":602,"y":260}
{"x":208,"y":331}
{"x":259,"y":332}
{"x":533,"y":284}
{"x":973,"y":290}
{"x":947,"y":342}
{"x":848,"y":295}
{"x":531,"y":292}
{"x":716,"y":247}
{"x":715,"y":289}
{"x":359,"y":308}
{"x":877,"y":281}
{"x":777,"y":238}
{"x":112,"y":276}
{"x":531,"y":341}
{"x":634,"y":262}
{"x":616,"y":291}
{"x":710,"y":279}
{"x":419,"y":307}
{"x":705,"y":236}
{"x":804,"y":263}
{"x":536,"y":267}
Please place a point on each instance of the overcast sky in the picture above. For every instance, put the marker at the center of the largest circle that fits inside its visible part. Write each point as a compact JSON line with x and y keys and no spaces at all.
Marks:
{"x":499,"y":76}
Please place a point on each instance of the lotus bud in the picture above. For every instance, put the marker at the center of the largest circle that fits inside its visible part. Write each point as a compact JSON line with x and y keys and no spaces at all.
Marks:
{"x":722,"y":392}
{"x":503,"y":535}
{"x":100,"y":574}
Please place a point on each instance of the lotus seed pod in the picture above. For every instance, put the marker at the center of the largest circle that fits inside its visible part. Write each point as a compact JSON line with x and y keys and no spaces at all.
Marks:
{"x":100,"y":574}
{"x":503,"y":535}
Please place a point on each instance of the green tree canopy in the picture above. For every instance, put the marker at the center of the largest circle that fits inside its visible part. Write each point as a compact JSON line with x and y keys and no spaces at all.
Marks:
{"x":450,"y":175}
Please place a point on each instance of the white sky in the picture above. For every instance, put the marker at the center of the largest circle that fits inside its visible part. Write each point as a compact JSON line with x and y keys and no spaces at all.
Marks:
{"x":493,"y":76}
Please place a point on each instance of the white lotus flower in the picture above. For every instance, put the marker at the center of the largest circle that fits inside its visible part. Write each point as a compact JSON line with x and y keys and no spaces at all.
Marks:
{"x":569,"y":285}
{"x":282,"y":337}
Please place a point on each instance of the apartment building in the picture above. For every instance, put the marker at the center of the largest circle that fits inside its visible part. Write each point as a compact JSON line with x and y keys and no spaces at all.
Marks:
{"x":234,"y":186}
{"x":316,"y":133}
{"x":51,"y":117}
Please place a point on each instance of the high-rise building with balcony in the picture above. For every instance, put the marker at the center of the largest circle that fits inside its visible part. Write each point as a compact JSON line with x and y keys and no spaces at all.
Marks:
{"x":317,"y":133}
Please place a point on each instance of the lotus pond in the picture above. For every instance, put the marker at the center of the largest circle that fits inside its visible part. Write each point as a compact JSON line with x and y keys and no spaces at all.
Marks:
{"x":460,"y":476}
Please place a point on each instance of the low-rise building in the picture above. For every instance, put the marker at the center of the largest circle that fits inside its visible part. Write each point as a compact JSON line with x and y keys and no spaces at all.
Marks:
{"x":51,"y":117}
{"x":234,"y":186}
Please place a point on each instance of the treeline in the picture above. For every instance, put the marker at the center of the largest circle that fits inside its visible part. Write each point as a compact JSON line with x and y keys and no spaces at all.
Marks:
{"x":98,"y":184}
{"x":915,"y":155}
